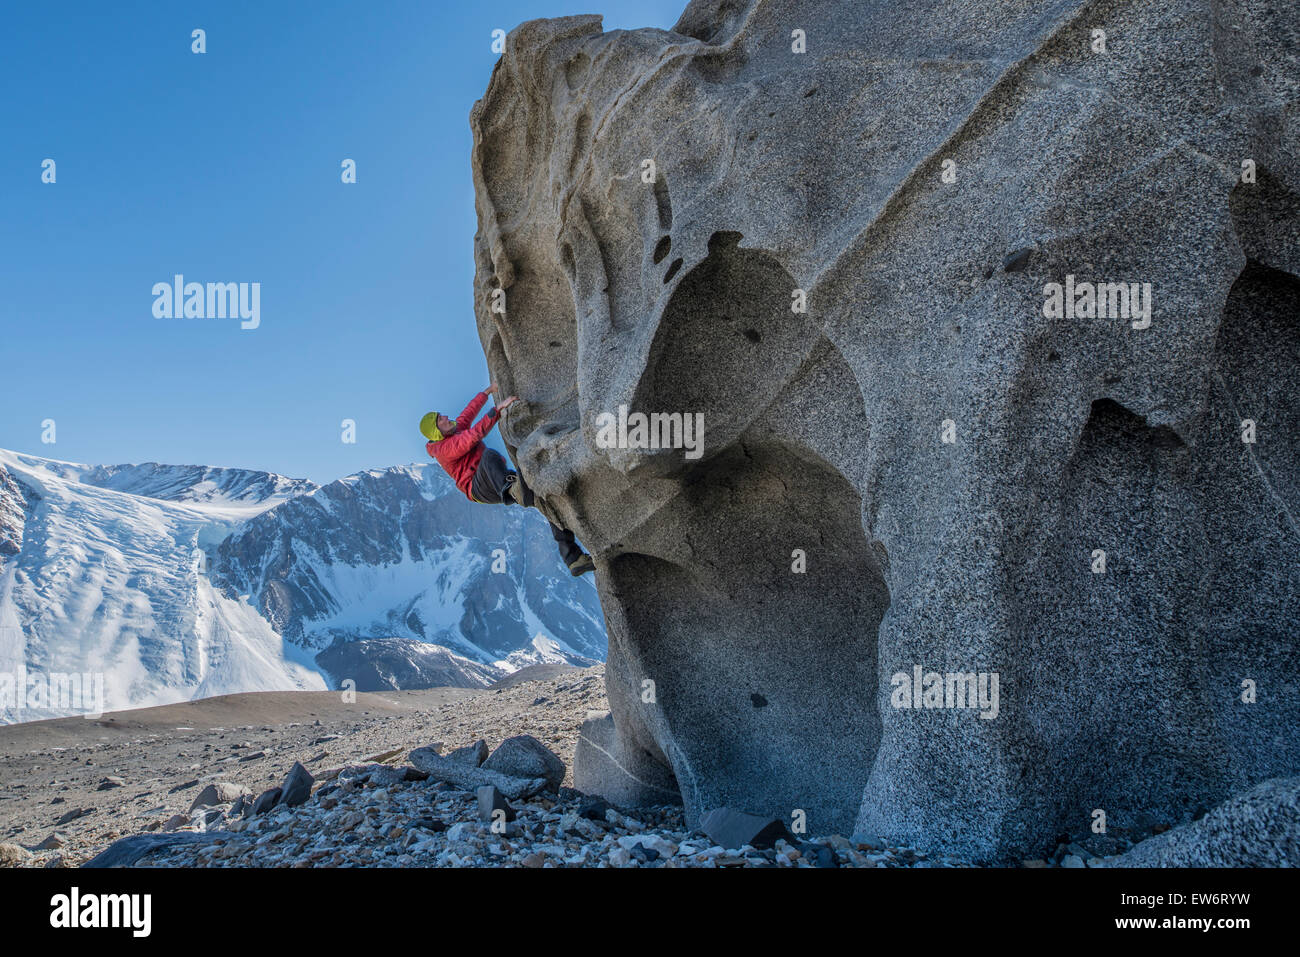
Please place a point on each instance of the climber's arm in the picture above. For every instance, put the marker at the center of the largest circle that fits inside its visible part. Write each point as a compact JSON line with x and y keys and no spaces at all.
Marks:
{"x":459,"y":444}
{"x":466,"y":418}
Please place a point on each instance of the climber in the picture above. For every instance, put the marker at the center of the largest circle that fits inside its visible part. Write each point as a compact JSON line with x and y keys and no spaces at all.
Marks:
{"x":482,"y":473}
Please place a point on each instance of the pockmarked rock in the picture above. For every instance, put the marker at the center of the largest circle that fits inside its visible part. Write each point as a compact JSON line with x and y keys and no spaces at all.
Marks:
{"x":926,"y":397}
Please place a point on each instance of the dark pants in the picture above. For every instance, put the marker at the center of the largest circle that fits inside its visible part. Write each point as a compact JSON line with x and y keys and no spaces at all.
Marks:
{"x":489,"y":485}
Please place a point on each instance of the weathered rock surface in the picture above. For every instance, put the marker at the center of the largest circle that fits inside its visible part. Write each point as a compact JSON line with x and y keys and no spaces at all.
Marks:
{"x":523,"y":756}
{"x":11,"y":855}
{"x":465,"y":775}
{"x":1260,"y":828}
{"x":918,"y":177}
{"x":128,"y":850}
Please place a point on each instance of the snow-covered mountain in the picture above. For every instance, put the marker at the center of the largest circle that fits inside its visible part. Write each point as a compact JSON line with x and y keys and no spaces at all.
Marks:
{"x":197,"y":483}
{"x":179,"y":582}
{"x":400,"y":552}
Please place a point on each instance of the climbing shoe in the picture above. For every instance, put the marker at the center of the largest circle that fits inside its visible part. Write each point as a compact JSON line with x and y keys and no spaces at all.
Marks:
{"x":514,"y":490}
{"x":581,"y":565}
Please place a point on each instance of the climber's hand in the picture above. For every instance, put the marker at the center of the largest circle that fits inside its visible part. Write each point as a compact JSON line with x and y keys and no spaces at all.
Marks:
{"x":508,"y":403}
{"x":492,"y":389}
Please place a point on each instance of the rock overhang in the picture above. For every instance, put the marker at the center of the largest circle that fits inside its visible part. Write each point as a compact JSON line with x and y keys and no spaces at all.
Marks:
{"x":652,"y":203}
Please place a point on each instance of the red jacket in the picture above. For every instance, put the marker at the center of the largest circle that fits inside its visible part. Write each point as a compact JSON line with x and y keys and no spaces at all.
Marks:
{"x":460,"y":452}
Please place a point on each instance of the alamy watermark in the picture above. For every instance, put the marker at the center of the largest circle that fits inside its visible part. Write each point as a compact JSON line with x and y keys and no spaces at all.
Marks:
{"x":75,"y":909}
{"x":658,"y":430}
{"x":179,"y":299}
{"x":951,"y":689}
{"x":1101,"y":300}
{"x":82,"y":693}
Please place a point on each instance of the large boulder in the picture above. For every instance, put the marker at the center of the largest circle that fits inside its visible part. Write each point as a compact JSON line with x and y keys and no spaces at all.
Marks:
{"x":1260,"y":828}
{"x":843,"y":234}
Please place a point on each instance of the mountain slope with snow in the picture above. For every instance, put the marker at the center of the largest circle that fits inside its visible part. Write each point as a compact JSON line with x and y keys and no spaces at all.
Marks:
{"x":401,"y":553}
{"x":107,"y":582}
{"x":179,"y":582}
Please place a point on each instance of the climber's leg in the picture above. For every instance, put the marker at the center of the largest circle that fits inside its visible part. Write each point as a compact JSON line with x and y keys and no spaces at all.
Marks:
{"x":570,"y":550}
{"x":520,"y":492}
{"x":492,"y":479}
{"x":578,"y":561}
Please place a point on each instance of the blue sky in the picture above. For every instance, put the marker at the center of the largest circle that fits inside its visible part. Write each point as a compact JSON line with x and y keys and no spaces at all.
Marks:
{"x":225,"y":167}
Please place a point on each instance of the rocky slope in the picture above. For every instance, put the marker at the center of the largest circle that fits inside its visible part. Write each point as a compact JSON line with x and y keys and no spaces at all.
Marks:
{"x":843,"y":234}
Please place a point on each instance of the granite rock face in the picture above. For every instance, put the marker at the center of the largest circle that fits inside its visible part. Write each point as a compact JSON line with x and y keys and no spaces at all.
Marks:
{"x":1260,"y":828}
{"x":912,"y":460}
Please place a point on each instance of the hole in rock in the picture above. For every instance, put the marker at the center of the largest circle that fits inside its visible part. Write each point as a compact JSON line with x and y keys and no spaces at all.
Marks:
{"x":575,"y":71}
{"x":662,"y":248}
{"x":726,"y":339}
{"x":663,"y":205}
{"x":734,"y":616}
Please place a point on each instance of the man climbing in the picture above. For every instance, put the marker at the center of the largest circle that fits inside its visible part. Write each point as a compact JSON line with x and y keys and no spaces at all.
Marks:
{"x":482,"y":473}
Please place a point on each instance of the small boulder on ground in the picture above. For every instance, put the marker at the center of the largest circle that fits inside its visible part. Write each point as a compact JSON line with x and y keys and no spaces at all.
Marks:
{"x":490,"y":800}
{"x":464,"y":776}
{"x":265,"y":801}
{"x":220,"y":792}
{"x":523,"y":756}
{"x":297,"y":786}
{"x":380,"y":775}
{"x":72,"y":815}
{"x":732,"y":829}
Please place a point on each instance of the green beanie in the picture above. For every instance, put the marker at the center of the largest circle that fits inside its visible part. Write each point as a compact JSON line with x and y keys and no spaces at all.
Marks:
{"x":429,"y":427}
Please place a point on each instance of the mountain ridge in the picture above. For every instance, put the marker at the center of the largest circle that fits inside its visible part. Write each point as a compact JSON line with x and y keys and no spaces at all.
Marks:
{"x":177,"y":582}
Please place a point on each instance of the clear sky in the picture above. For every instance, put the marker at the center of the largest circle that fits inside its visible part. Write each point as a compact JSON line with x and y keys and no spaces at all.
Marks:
{"x":225,"y":167}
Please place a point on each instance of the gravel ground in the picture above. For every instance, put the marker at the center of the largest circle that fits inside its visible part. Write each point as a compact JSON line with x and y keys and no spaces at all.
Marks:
{"x":72,"y":787}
